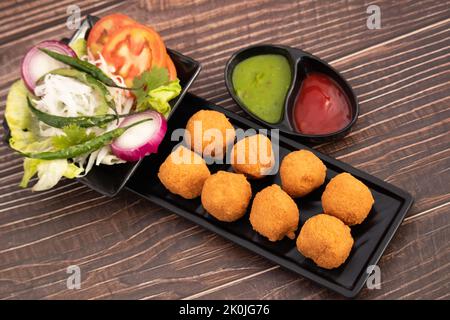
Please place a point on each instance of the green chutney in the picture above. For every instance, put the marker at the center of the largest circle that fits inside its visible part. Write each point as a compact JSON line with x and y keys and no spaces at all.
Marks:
{"x":261,"y":83}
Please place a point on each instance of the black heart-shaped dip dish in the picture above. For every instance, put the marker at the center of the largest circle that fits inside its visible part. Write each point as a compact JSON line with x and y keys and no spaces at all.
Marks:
{"x":291,"y":90}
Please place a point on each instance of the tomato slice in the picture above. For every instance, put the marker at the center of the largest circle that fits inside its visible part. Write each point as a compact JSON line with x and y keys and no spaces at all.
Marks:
{"x":171,"y":68}
{"x":104,"y":28}
{"x":133,"y":50}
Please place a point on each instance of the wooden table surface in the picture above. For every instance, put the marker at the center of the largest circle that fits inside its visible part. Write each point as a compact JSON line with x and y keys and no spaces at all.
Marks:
{"x":130,"y":248}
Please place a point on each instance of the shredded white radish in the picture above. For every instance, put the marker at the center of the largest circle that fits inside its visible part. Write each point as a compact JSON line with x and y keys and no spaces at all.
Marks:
{"x":66,"y":97}
{"x":123,"y":101}
{"x":63,"y":96}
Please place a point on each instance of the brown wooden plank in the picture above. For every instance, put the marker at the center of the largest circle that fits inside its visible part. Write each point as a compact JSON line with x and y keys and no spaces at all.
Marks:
{"x":422,"y":56}
{"x":136,"y":237}
{"x":298,"y":27}
{"x":8,"y":4}
{"x":40,"y":16}
{"x":162,"y":256}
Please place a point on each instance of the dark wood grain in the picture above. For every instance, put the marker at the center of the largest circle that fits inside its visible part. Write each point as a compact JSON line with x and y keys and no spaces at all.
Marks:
{"x":129,"y":248}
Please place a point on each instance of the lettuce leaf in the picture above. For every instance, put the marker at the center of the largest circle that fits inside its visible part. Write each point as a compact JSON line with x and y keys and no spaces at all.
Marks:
{"x":29,"y":170}
{"x":158,"y":99}
{"x":25,"y":138}
{"x":80,"y":47}
{"x":49,"y":172}
{"x":22,"y":125}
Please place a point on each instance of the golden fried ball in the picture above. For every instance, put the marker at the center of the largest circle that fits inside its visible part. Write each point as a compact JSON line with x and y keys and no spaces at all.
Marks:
{"x":301,"y":172}
{"x":326,"y":240}
{"x":253,"y":156}
{"x":347,"y":198}
{"x":209,"y":133}
{"x":184,"y":172}
{"x":274,"y":214}
{"x":226,"y":195}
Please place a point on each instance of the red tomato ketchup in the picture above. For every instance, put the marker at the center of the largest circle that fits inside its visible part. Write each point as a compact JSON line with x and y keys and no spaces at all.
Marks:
{"x":322,"y":106}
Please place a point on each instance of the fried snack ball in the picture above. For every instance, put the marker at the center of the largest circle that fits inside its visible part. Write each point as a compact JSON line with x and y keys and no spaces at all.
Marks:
{"x":184,"y":172}
{"x":274,"y":214}
{"x":301,"y":172}
{"x":326,"y":240}
{"x":253,"y":156}
{"x":347,"y":198}
{"x":210,"y":133}
{"x":226,"y":195}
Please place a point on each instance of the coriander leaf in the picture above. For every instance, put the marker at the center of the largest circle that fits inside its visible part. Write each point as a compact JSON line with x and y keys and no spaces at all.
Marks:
{"x":73,"y":135}
{"x":148,"y":81}
{"x":152,"y":79}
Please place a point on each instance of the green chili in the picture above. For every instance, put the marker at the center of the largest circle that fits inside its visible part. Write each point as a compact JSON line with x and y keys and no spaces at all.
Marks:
{"x":83,"y":148}
{"x":85,"y":66}
{"x":60,"y":122}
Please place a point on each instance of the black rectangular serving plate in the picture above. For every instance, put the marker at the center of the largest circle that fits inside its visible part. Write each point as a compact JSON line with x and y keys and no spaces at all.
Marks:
{"x":371,"y":237}
{"x":109,"y":180}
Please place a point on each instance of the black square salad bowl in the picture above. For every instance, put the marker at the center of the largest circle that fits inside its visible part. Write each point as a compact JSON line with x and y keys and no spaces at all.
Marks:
{"x":92,"y":106}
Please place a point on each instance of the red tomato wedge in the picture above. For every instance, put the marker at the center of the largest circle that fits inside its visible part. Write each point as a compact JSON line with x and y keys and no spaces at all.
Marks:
{"x":101,"y":32}
{"x":171,"y":68}
{"x":133,"y":50}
